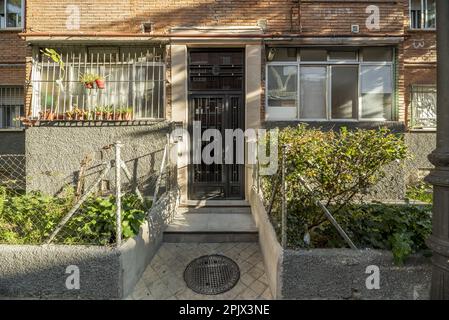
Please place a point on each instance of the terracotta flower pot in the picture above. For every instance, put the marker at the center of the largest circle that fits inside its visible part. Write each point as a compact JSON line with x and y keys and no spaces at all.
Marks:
{"x":127,"y":116}
{"x":100,"y":83}
{"x":98,"y":115}
{"x":89,"y":85}
{"x":48,"y":115}
{"x":107,"y":116}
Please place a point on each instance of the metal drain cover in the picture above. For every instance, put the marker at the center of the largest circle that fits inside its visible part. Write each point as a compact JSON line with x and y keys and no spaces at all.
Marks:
{"x":213,"y":274}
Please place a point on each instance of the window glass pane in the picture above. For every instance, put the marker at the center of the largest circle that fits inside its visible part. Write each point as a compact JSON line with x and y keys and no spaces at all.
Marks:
{"x":344,"y":92}
{"x":11,"y":107}
{"x":13,"y":13}
{"x":377,"y":92}
{"x":430,"y":14}
{"x":313,"y":55}
{"x":2,"y":14}
{"x":282,"y":86}
{"x":377,"y":54}
{"x":282,"y":54}
{"x":313,"y":92}
{"x":342,"y":55}
{"x":415,"y":14}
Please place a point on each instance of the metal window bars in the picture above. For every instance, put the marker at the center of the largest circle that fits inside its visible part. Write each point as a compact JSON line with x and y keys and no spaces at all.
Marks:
{"x":131,"y":84}
{"x":423,"y":107}
{"x":11,"y":107}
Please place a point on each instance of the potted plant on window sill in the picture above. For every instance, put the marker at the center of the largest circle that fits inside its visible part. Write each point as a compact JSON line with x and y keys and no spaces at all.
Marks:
{"x":47,"y":115}
{"x":88,"y":80}
{"x":127,"y":113}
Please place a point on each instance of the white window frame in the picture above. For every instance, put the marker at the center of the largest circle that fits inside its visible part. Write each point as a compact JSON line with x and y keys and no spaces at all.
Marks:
{"x":280,"y":114}
{"x":4,"y":27}
{"x":424,"y":13}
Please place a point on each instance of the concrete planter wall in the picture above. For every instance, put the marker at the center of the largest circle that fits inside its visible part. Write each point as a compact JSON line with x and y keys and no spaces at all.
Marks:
{"x":335,"y":273}
{"x":105,"y":272}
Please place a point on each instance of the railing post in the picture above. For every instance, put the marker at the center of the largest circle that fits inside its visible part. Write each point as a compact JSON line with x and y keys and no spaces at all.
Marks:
{"x":118,"y":193}
{"x":257,"y":166}
{"x":284,"y":201}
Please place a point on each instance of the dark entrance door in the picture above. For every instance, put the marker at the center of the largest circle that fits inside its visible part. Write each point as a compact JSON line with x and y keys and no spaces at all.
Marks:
{"x":216,"y":100}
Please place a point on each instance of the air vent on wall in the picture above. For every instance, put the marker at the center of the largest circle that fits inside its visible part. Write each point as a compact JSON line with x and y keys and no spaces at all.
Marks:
{"x":355,"y":28}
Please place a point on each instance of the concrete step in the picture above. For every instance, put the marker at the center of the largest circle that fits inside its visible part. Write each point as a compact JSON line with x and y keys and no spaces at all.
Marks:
{"x":214,"y":203}
{"x":212,"y":227}
{"x":213,"y":210}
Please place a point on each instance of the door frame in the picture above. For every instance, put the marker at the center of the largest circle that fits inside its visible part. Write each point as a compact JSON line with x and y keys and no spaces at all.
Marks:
{"x":242,"y":117}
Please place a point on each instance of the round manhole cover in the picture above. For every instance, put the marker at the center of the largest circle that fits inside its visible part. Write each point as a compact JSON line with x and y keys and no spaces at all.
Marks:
{"x":212,"y":274}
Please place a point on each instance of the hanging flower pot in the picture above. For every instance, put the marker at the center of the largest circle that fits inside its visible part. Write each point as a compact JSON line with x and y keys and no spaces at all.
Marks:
{"x":100,"y":83}
{"x":88,"y":80}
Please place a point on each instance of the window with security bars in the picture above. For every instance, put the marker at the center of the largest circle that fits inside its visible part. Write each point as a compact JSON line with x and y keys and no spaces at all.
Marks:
{"x":99,"y":83}
{"x":11,"y":107}
{"x":422,"y":14}
{"x":423,"y":107}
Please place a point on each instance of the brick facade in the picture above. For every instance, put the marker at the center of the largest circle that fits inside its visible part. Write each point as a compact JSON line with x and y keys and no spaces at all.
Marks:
{"x":416,"y":57}
{"x":13,"y":51}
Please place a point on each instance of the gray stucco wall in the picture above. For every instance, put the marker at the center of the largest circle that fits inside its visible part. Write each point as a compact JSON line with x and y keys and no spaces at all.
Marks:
{"x":54,"y":154}
{"x":12,"y":142}
{"x":39,"y":271}
{"x":341,"y":274}
{"x":420,"y":145}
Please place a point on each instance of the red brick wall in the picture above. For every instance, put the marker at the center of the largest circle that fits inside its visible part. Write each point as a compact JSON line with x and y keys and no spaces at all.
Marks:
{"x":310,"y":18}
{"x":313,"y":16}
{"x":12,"y":52}
{"x":12,"y":48}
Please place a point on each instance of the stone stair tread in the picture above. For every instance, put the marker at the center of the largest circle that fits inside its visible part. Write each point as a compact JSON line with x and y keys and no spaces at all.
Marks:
{"x":214,"y":203}
{"x":212,"y":222}
{"x":214,"y":210}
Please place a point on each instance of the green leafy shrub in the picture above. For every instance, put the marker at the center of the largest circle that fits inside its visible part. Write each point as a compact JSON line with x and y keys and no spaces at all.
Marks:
{"x":96,"y":221}
{"x":341,"y":167}
{"x":421,"y":192}
{"x":31,"y":218}
{"x":399,"y":228}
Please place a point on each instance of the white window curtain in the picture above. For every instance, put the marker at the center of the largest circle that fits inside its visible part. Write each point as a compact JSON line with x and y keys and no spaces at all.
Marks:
{"x":376,"y":91}
{"x":313,"y":92}
{"x":282,"y":91}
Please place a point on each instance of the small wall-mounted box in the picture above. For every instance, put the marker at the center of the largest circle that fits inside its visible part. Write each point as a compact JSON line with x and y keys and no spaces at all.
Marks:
{"x":355,"y":28}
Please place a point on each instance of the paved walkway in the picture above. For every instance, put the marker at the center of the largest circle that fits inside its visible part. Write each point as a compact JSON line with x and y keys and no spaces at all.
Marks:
{"x":163,"y":278}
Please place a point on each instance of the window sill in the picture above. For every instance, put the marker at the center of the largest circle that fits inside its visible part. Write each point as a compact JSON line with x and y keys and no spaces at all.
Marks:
{"x":395,"y":126}
{"x":423,"y":130}
{"x":18,"y":30}
{"x":12,"y":129}
{"x":421,"y":30}
{"x":94,"y":123}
